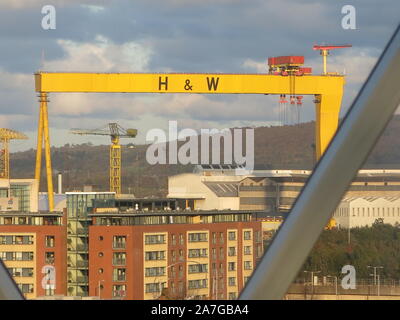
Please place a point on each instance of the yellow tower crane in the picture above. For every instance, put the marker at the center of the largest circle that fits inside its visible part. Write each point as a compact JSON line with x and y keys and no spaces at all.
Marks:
{"x":116,"y":132}
{"x":5,"y":136}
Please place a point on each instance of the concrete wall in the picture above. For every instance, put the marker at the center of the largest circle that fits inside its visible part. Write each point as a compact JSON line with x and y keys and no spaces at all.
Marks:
{"x":361,"y":212}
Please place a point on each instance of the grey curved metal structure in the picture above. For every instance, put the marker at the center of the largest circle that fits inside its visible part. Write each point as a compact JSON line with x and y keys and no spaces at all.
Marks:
{"x":365,"y":121}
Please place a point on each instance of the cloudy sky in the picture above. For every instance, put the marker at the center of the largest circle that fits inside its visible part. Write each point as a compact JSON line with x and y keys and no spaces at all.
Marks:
{"x":179,"y":36}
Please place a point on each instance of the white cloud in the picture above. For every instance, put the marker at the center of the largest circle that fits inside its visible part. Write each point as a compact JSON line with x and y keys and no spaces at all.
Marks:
{"x":259,"y":67}
{"x":101,"y":55}
{"x":22,"y":4}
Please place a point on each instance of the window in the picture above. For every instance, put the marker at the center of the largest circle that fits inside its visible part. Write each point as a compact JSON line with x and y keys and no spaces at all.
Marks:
{"x":172,"y":272}
{"x":259,"y":251}
{"x":181,"y":239}
{"x":155,"y":272}
{"x":181,"y":255}
{"x":247,"y":250}
{"x":155,"y":255}
{"x":154,"y":287}
{"x":173,"y":239}
{"x":247,"y":235}
{"x":180,"y":271}
{"x":232,"y":295}
{"x":26,"y":288}
{"x":232,"y":235}
{"x":246,"y":279}
{"x":214,"y":254}
{"x":221,"y":238}
{"x":119,"y":290}
{"x":21,"y":272}
{"x":198,"y":237}
{"x":221,"y":253}
{"x":155,"y":239}
{"x":6,"y":239}
{"x":119,"y":242}
{"x":257,"y":235}
{"x":214,"y":238}
{"x":231,"y":251}
{"x":101,"y":238}
{"x":232,"y":281}
{"x":49,"y":292}
{"x":119,"y":274}
{"x":231,"y":266}
{"x":198,"y":268}
{"x":49,"y":257}
{"x":198,"y":284}
{"x":247,"y":265}
{"x":119,"y":258}
{"x":197,"y":253}
{"x":50,"y":241}
{"x":18,"y":239}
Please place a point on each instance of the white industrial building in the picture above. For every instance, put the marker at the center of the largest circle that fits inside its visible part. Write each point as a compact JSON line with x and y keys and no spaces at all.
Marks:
{"x":365,"y":211}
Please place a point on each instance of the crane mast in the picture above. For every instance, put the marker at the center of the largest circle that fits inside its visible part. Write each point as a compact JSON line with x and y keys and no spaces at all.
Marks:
{"x":5,"y":136}
{"x":115,"y":132}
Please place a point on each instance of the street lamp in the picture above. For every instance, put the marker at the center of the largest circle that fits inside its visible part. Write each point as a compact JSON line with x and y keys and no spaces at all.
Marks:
{"x":336,"y":285}
{"x":312,"y":281}
{"x":376,"y":277}
{"x":173,"y":264}
{"x":99,"y":288}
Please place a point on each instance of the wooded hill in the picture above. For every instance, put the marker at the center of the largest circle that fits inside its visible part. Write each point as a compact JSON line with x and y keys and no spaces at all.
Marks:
{"x":375,"y":246}
{"x":280,"y":147}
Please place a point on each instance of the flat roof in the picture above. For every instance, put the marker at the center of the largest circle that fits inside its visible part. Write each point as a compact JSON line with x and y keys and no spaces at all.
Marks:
{"x":175,"y":213}
{"x":83,"y":192}
{"x":34,"y":214}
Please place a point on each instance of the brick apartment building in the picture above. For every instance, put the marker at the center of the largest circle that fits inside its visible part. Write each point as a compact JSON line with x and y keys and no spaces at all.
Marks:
{"x":32,"y":245}
{"x":198,"y":255}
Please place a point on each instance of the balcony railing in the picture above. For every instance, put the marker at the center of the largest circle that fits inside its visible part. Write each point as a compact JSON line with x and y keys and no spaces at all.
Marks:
{"x":119,"y":278}
{"x":82,"y":264}
{"x":81,"y":247}
{"x":119,"y":245}
{"x":119,"y":262}
{"x":82,"y":279}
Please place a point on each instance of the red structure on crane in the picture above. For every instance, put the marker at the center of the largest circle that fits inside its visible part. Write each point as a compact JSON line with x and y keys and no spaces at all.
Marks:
{"x":289,"y":66}
{"x":324,"y":51}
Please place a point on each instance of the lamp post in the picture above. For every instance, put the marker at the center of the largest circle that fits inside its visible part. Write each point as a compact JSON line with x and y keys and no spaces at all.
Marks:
{"x":173,"y":264}
{"x":99,"y":288}
{"x":312,"y":281}
{"x":336,"y":285}
{"x":376,"y":277}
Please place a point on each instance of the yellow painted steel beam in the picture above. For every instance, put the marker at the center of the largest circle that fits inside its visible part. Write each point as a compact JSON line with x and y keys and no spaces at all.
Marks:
{"x":39,"y":144}
{"x":44,"y":136}
{"x":185,"y":83}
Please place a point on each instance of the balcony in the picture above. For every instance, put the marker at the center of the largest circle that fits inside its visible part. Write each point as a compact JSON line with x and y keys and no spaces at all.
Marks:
{"x":82,"y":279}
{"x":119,"y":262}
{"x":119,"y":245}
{"x":81,"y":231}
{"x":119,"y":278}
{"x":81,"y":247}
{"x":82,"y":264}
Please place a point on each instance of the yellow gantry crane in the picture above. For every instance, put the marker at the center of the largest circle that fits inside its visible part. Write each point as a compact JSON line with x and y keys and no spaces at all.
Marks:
{"x":116,"y":132}
{"x":327,"y":90}
{"x":5,"y":136}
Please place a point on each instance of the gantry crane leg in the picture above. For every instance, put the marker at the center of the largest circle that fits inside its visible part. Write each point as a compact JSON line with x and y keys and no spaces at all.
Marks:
{"x":327,"y":109}
{"x":43,"y":136}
